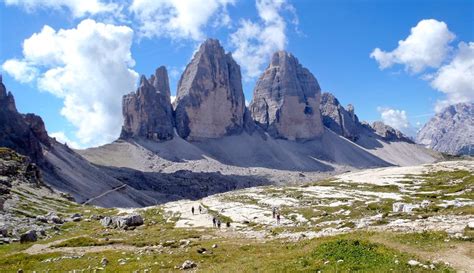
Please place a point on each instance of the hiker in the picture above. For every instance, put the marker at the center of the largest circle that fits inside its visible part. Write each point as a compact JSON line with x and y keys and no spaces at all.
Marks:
{"x":192,"y":209}
{"x":228,"y":224}
{"x":274,"y":211}
{"x":200,"y":209}
{"x":218,"y":223}
{"x":213,"y":221}
{"x":278,"y":218}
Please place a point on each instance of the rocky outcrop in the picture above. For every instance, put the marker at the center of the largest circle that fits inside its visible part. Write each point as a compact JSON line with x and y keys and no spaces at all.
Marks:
{"x":210,"y":102}
{"x":148,"y":113}
{"x":388,"y":133}
{"x":339,"y":120}
{"x":286,"y":100}
{"x":450,"y":131}
{"x":23,"y":133}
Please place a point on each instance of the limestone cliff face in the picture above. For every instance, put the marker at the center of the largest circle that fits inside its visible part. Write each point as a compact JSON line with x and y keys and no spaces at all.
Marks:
{"x":286,"y":100}
{"x":338,"y":119}
{"x":388,"y":133}
{"x":24,"y":133}
{"x":148,"y":113}
{"x":450,"y":131}
{"x":210,"y":102}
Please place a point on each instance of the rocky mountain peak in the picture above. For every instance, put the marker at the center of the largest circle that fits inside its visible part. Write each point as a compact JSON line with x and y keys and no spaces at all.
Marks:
{"x":388,"y":133}
{"x":286,"y":99}
{"x":148,"y":112}
{"x":338,"y":119}
{"x":210,"y":101}
{"x":450,"y":131}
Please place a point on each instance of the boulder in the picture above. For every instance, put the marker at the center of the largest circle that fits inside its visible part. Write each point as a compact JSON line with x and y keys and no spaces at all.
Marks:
{"x":188,"y":264}
{"x":338,"y":119}
{"x":124,"y":222}
{"x":148,"y":112}
{"x":210,"y":101}
{"x":286,"y":100}
{"x":29,"y":236}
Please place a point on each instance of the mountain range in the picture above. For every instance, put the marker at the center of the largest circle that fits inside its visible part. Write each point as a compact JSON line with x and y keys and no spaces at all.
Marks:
{"x":208,"y":141}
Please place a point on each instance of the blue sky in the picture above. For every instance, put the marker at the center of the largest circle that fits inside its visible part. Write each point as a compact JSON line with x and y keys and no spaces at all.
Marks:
{"x":75,"y":77}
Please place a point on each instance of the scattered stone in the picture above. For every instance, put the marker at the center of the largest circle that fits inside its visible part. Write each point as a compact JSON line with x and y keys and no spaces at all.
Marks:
{"x":413,"y":263}
{"x":201,"y":250}
{"x":104,"y":262}
{"x":214,"y":246}
{"x":470,"y":225}
{"x":188,"y":264}
{"x":29,"y":236}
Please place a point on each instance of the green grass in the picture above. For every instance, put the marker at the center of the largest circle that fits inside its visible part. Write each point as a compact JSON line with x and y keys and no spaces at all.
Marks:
{"x":84,"y":241}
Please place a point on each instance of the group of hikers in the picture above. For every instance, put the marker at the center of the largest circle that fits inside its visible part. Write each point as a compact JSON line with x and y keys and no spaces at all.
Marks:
{"x":216,"y":222}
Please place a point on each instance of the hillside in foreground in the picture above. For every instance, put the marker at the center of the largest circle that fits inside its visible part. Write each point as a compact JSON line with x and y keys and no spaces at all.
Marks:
{"x":389,"y":219}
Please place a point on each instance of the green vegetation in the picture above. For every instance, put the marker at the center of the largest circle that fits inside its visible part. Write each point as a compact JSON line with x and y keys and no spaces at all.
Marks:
{"x":84,"y":241}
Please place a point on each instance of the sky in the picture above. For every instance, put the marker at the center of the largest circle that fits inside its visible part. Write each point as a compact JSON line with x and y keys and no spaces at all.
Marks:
{"x":71,"y":61}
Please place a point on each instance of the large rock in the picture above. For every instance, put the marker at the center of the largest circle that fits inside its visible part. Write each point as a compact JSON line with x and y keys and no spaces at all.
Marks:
{"x":286,"y":100}
{"x":210,"y":102}
{"x":451,"y":131}
{"x":148,"y":113}
{"x":339,"y":120}
{"x":29,"y":236}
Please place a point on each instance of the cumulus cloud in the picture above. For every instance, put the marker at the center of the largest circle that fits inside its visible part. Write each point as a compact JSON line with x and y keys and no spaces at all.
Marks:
{"x":426,"y":46}
{"x":456,"y":79}
{"x":62,"y":138}
{"x":256,"y":41}
{"x":78,"y":8}
{"x":89,"y":67}
{"x":20,"y":70}
{"x":179,"y":19}
{"x":397,"y":119}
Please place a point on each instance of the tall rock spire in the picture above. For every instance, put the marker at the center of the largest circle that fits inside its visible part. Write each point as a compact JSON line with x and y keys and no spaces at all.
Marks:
{"x":210,"y":101}
{"x":286,"y":100}
{"x":148,"y":113}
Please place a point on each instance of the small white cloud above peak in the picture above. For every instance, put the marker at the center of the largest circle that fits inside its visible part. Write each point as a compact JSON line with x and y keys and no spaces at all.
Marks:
{"x":62,"y":138}
{"x":426,"y":46}
{"x":397,"y":119}
{"x":179,"y":19}
{"x":255,"y":42}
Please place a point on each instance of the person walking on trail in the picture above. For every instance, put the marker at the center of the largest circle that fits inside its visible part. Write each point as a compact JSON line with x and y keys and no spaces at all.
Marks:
{"x":200,"y":209}
{"x":274,"y":211}
{"x":278,"y":218}
{"x":214,"y":222}
{"x":192,"y":209}
{"x":218,"y":223}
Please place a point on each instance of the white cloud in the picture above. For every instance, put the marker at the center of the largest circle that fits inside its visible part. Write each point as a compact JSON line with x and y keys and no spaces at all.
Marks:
{"x":456,"y":79}
{"x":172,"y":98}
{"x":89,"y":67}
{"x":397,"y":119}
{"x":426,"y":46}
{"x":256,"y":41}
{"x":78,"y":8}
{"x":179,"y":19}
{"x":62,"y":138}
{"x":20,"y":70}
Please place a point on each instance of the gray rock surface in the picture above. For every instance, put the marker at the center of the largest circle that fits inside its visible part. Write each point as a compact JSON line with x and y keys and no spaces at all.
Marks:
{"x":19,"y":132}
{"x":388,"y":133}
{"x":451,"y":131}
{"x":341,"y":121}
{"x":286,"y":100}
{"x":210,"y":102}
{"x":148,"y":112}
{"x":29,"y":236}
{"x":125,"y":221}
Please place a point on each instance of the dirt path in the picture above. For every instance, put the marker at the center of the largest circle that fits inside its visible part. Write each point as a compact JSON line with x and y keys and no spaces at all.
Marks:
{"x":187,"y":218}
{"x":104,"y":194}
{"x":460,"y":256}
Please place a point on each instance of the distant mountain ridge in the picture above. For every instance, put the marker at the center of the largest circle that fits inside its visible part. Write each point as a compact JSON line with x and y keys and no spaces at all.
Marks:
{"x":451,"y":131}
